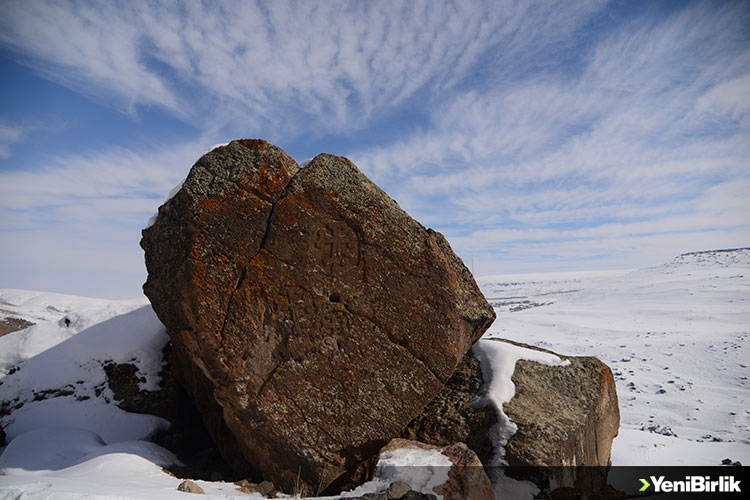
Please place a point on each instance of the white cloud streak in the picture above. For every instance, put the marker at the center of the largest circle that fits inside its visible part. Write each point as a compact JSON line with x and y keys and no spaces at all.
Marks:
{"x":636,"y":149}
{"x":8,"y":136}
{"x":651,"y":136}
{"x":333,"y":65}
{"x":118,"y":186}
{"x":74,"y":225}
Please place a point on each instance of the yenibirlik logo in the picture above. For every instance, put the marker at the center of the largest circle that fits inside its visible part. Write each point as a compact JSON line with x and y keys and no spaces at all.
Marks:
{"x":692,"y":484}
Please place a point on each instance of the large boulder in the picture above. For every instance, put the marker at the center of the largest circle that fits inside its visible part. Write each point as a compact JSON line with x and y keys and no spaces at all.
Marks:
{"x":312,"y":319}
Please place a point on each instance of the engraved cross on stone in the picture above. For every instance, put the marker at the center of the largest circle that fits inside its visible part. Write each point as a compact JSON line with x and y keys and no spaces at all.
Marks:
{"x":336,"y":247}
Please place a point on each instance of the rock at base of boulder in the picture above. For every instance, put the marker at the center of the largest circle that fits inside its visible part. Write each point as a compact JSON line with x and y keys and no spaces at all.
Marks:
{"x":397,"y":490}
{"x":265,"y":488}
{"x":465,"y":478}
{"x":454,"y":415}
{"x":190,"y":487}
{"x":409,"y":495}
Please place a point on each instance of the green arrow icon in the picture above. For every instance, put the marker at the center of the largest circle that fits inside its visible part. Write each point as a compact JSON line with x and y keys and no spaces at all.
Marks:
{"x":645,"y":486}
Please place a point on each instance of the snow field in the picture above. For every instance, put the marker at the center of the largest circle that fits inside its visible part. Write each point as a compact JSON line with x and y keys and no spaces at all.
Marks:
{"x":675,"y":336}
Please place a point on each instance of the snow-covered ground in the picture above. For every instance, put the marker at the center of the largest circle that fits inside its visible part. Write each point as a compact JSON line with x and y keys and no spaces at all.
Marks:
{"x":675,"y":336}
{"x":516,"y":292}
{"x":67,"y":439}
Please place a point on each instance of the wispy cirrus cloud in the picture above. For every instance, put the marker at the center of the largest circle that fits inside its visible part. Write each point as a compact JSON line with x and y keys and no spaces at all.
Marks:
{"x":8,"y":136}
{"x":74,"y":224}
{"x":116,"y":187}
{"x":334,"y":64}
{"x":83,"y":45}
{"x":651,"y":136}
{"x":540,"y":133}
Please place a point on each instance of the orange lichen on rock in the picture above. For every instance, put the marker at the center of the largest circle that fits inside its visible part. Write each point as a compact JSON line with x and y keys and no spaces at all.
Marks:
{"x":255,"y":144}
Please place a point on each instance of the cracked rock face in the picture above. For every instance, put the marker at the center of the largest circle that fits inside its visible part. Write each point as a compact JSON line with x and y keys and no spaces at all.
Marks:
{"x":311,"y":317}
{"x":567,"y":416}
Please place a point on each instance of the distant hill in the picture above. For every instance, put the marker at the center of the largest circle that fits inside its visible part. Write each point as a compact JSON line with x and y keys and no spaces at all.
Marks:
{"x":21,"y":309}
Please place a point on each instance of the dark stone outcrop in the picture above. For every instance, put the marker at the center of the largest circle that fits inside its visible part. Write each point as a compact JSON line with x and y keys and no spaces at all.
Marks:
{"x":312,"y":319}
{"x":186,"y":436}
{"x":566,"y":416}
{"x":455,"y":416}
{"x":10,"y":324}
{"x":265,"y":488}
{"x":123,"y":380}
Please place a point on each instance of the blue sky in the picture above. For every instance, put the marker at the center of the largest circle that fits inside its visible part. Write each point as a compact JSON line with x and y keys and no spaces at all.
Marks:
{"x":536,"y":136}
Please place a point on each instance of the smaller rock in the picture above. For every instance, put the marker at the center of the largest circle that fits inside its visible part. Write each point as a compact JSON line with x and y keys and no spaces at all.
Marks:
{"x":726,"y":461}
{"x":398,"y":489}
{"x":415,"y":495}
{"x":466,"y":478}
{"x":409,"y":495}
{"x":190,"y":487}
{"x":266,"y":488}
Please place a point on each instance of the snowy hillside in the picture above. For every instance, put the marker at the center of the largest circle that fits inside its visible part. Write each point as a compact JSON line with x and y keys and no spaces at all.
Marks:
{"x":67,"y":439}
{"x":56,"y":317}
{"x":675,"y":335}
{"x":22,"y":308}
{"x":676,"y":338}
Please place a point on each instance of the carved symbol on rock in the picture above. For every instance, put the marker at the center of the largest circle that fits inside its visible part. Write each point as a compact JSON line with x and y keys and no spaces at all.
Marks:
{"x":335,"y":247}
{"x":309,"y":316}
{"x":334,"y":322}
{"x":298,"y":309}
